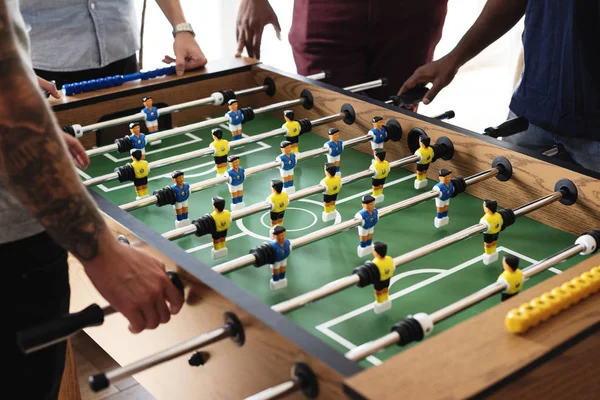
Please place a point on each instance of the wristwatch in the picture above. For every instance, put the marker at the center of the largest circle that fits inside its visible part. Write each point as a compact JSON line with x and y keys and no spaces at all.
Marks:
{"x":183,"y":27}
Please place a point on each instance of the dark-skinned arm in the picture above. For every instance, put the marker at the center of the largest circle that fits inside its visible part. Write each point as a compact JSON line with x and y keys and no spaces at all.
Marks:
{"x":496,"y":18}
{"x":36,"y":168}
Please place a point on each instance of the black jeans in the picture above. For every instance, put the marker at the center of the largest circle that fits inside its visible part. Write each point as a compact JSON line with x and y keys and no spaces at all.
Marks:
{"x":121,"y":67}
{"x":38,"y":277}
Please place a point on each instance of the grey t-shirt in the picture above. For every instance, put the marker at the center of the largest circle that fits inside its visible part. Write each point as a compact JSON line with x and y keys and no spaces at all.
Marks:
{"x":15,"y":221}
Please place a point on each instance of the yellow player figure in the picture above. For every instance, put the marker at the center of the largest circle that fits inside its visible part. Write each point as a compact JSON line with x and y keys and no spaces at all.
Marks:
{"x":236,"y":119}
{"x":331,"y":186}
{"x":220,"y":149}
{"x":381,"y":170}
{"x":292,"y":129}
{"x":141,"y":170}
{"x":425,"y":154}
{"x":222,"y":219}
{"x":385,"y":266}
{"x":279,"y":201}
{"x":493,"y":220}
{"x":512,"y":277}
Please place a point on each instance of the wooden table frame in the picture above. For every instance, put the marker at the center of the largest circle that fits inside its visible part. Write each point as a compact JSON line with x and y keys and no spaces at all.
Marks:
{"x":274,"y":342}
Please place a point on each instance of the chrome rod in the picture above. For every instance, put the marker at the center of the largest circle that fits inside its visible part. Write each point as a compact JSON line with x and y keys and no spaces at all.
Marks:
{"x":169,"y":109}
{"x":369,"y":348}
{"x":497,"y":287}
{"x":320,"y":293}
{"x":204,"y":152}
{"x":318,"y":76}
{"x":232,"y":265}
{"x":169,"y":354}
{"x":536,"y":204}
{"x":264,"y":205}
{"x":365,"y":86}
{"x":277,"y":392}
{"x":345,"y":282}
{"x":198,"y":125}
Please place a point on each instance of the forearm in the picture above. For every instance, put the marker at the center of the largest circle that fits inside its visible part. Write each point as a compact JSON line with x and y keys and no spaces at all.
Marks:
{"x":497,"y":18}
{"x":172,"y":10}
{"x":34,"y":164}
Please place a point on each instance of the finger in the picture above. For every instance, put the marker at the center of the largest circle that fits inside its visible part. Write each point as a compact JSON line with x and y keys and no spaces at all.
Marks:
{"x":435,"y":89}
{"x":277,"y":28}
{"x":174,"y":297}
{"x":150,"y":314}
{"x":169,"y":59}
{"x":79,"y":154}
{"x":241,"y":44}
{"x":137,"y":323}
{"x":180,"y":66}
{"x":196,"y":62}
{"x":256,"y":40}
{"x":248,"y":36}
{"x":411,"y":82}
{"x":164,"y":315}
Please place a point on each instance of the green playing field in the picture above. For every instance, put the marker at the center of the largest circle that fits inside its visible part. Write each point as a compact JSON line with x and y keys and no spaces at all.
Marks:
{"x":346,"y":319}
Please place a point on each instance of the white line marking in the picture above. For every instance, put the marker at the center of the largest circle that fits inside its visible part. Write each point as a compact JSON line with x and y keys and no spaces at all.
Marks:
{"x":194,"y":138}
{"x":325,"y":327}
{"x":242,"y":227}
{"x":207,"y":245}
{"x":369,"y":191}
{"x":315,"y":219}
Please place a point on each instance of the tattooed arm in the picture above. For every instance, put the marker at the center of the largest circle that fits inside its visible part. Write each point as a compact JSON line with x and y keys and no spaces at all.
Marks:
{"x":35,"y":166}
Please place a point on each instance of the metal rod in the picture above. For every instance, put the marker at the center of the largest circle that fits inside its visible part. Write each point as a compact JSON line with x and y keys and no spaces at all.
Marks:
{"x":200,"y":153}
{"x":277,"y":392}
{"x":365,"y":86}
{"x":320,"y":293}
{"x":342,"y":283}
{"x":168,"y":110}
{"x":264,"y":205}
{"x":198,"y":125}
{"x":318,"y":76}
{"x":234,"y":264}
{"x":536,"y":204}
{"x":169,"y":354}
{"x":369,"y":348}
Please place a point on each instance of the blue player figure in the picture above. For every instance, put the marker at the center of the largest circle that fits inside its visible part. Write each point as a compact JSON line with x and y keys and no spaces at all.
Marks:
{"x":236,"y":118}
{"x":236,"y":176}
{"x":445,"y":190}
{"x":182,"y":194}
{"x":151,"y":117}
{"x":369,"y":217}
{"x":287,"y":163}
{"x":378,"y":134}
{"x":334,"y":149}
{"x":282,"y":249}
{"x":138,"y":139}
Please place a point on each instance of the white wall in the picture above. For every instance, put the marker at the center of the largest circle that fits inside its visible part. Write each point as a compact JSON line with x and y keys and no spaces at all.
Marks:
{"x":479,"y":94}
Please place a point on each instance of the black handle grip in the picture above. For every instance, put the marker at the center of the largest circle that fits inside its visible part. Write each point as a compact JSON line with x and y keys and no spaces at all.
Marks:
{"x":447,"y":115}
{"x":508,"y":128}
{"x":412,"y":96}
{"x":38,"y":337}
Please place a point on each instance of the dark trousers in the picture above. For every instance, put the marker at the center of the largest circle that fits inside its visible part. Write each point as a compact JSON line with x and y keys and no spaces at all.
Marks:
{"x":36,"y":273}
{"x":125,"y":66}
{"x":364,"y":40}
{"x":506,"y":296}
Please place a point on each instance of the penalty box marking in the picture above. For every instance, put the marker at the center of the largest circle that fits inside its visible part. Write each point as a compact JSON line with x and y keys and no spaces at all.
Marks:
{"x":325,"y":327}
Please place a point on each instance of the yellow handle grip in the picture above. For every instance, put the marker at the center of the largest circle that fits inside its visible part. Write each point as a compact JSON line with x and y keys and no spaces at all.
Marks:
{"x":528,"y":315}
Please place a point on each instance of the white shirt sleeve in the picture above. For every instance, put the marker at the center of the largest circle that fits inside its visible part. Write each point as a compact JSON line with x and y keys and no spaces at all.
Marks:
{"x":483,"y":221}
{"x":504,"y":282}
{"x":437,"y":190}
{"x":362,"y":221}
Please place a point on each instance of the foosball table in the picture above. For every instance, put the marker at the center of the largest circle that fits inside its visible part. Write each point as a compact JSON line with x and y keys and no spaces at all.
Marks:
{"x":333,"y":317}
